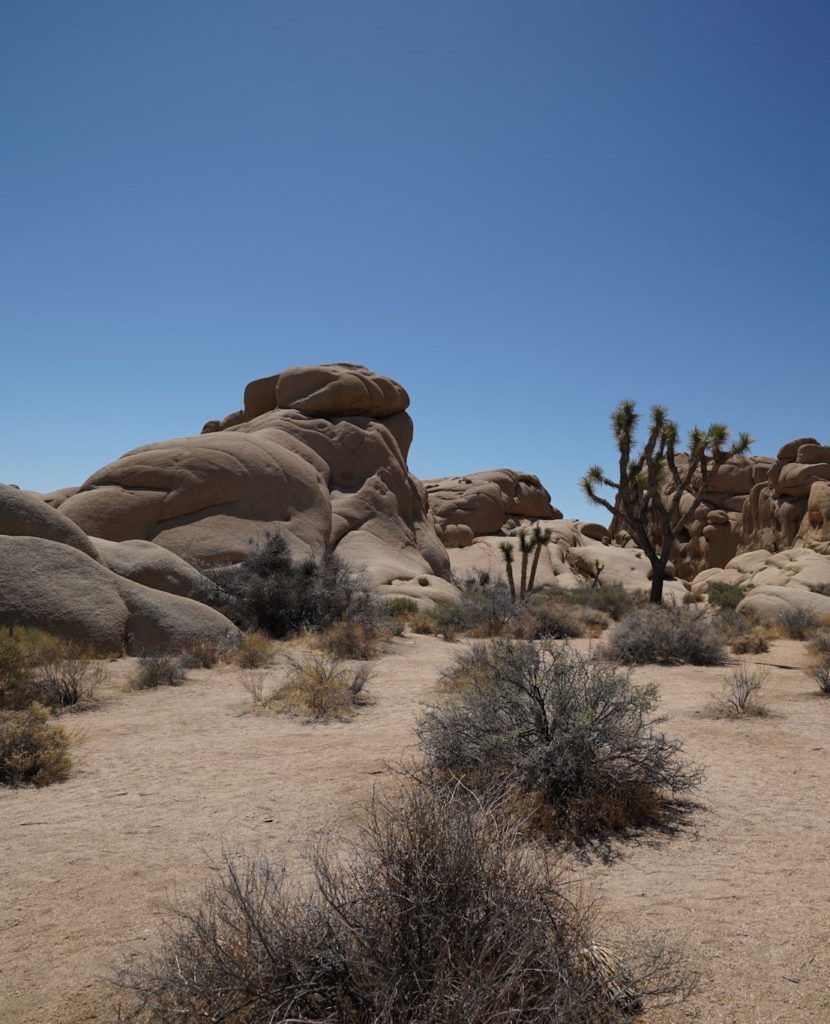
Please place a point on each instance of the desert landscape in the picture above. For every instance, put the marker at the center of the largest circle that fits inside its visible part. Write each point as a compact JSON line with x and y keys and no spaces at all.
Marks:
{"x":229,"y":644}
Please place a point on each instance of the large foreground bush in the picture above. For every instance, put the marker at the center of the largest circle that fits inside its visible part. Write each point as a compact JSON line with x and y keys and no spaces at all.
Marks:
{"x":271,"y":592}
{"x":438,"y":915}
{"x":666,"y":636}
{"x":572,"y":732}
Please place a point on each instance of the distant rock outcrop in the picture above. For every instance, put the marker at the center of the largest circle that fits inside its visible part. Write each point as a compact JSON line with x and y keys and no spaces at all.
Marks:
{"x":484,"y":503}
{"x":318,"y":454}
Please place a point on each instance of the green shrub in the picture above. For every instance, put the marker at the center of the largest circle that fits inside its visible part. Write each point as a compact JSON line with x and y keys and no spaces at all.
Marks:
{"x":798,"y":623}
{"x":36,"y":667}
{"x":726,"y":595}
{"x":574,"y":732}
{"x":611,"y":598}
{"x":401,"y":607}
{"x":666,"y":636}
{"x":32,"y":751}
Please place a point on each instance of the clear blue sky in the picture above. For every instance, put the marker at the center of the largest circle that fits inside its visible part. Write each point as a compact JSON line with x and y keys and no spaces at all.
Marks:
{"x":523,"y":211}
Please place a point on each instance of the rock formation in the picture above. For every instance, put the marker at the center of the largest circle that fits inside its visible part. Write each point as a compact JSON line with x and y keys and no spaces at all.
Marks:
{"x":110,"y":596}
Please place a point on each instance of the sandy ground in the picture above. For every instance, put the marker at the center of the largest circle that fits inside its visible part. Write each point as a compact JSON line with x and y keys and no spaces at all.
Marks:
{"x":164,"y":779}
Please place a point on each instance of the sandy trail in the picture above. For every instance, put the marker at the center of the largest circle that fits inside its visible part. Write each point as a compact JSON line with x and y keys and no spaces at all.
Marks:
{"x":165,"y":778}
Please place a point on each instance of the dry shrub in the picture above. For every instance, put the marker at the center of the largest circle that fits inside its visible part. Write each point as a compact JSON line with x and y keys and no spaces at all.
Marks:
{"x":36,"y":667}
{"x":666,"y":636}
{"x":820,"y":645}
{"x":551,"y":619}
{"x":320,"y":686}
{"x":32,"y":751}
{"x":741,"y":698}
{"x":255,"y":650}
{"x":437,"y":913}
{"x":819,"y":648}
{"x":401,"y":607}
{"x":798,"y":623}
{"x":821,"y":674}
{"x":424,"y":624}
{"x":472,"y":667}
{"x":154,"y":670}
{"x":753,"y":642}
{"x":203,"y":654}
{"x":350,"y":639}
{"x":572,"y":732}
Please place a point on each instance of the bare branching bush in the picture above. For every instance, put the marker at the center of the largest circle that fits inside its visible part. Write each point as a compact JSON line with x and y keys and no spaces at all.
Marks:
{"x":255,"y":650}
{"x":798,"y":623}
{"x":437,"y":913}
{"x":253,"y":682}
{"x":753,"y":642}
{"x":351,"y":639}
{"x":820,"y":645}
{"x":154,"y":670}
{"x":572,"y":732}
{"x":272,"y":593}
{"x":321,"y":687}
{"x":33,"y":751}
{"x":36,"y":667}
{"x":666,"y":636}
{"x":820,"y":672}
{"x":742,"y":697}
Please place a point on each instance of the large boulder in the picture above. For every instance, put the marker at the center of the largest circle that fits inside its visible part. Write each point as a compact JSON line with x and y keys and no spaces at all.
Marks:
{"x":479,"y":504}
{"x":61,"y":589}
{"x":26,"y":514}
{"x":318,"y":454}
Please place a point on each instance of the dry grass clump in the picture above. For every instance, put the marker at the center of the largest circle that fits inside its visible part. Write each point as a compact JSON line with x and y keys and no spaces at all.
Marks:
{"x":203,"y":654}
{"x":741,"y":699}
{"x":350,"y":639}
{"x":666,"y":636}
{"x":798,"y":623}
{"x":753,"y":642}
{"x":321,"y":687}
{"x":36,"y":667}
{"x":154,"y":670}
{"x":33,"y":752}
{"x":437,"y":913}
{"x":573,"y":734}
{"x":255,"y":650}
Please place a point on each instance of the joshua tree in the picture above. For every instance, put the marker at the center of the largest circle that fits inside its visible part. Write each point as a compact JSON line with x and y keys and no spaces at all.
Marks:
{"x":507,"y":551}
{"x":526,"y":544}
{"x":651,"y":510}
{"x":598,"y":567}
{"x":540,"y":538}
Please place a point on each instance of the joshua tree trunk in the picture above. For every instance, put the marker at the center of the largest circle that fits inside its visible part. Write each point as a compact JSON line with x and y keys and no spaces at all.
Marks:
{"x":523,"y":589}
{"x":533,"y":566}
{"x":511,"y":582}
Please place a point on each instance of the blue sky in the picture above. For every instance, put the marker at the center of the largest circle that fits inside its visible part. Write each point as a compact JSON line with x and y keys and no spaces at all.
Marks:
{"x":524,"y":211}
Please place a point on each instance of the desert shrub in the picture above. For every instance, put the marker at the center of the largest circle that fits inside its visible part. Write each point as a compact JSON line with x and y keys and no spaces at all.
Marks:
{"x":401,"y":607}
{"x":255,"y":650}
{"x":423,"y":623}
{"x":350,"y":639}
{"x":753,"y":642}
{"x":549,"y":619}
{"x":573,"y":732}
{"x":320,"y":686}
{"x":820,"y":672}
{"x":473,"y":666}
{"x":611,"y":598}
{"x":742,"y":695}
{"x":36,"y":667}
{"x":437,"y":913}
{"x":820,"y":645}
{"x":154,"y":670}
{"x":272,"y":593}
{"x":798,"y":623}
{"x":667,"y":636}
{"x":486,"y":607}
{"x":32,"y":750}
{"x":203,"y":654}
{"x":725,"y":595}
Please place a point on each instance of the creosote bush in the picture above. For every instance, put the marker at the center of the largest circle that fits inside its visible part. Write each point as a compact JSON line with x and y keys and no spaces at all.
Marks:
{"x":725,"y":595}
{"x":611,"y":598}
{"x":36,"y":667}
{"x":798,"y":623}
{"x":154,"y":670}
{"x":350,"y":639}
{"x":742,"y":698}
{"x":33,"y":751}
{"x":573,"y":733}
{"x":321,"y":687}
{"x":666,"y":636}
{"x":437,"y":913}
{"x":272,"y":593}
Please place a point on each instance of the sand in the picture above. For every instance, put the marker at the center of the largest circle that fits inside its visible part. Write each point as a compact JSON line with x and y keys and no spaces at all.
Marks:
{"x":164,"y":780}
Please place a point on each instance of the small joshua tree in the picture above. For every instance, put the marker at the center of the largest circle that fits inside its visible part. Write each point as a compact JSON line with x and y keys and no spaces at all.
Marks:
{"x":526,"y":545}
{"x":507,"y":550}
{"x":649,"y":509}
{"x":541,"y":538}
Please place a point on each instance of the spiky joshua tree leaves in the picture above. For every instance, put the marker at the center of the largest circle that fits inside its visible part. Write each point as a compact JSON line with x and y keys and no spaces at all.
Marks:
{"x":507,"y":551}
{"x":650,"y":510}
